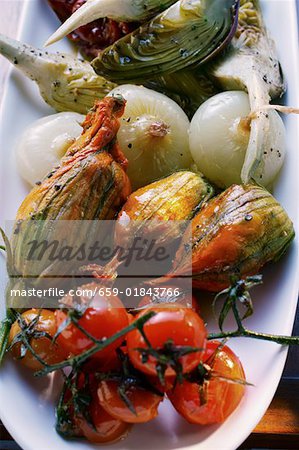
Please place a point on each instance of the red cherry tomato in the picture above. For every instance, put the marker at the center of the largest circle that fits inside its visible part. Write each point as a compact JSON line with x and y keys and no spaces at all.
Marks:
{"x":131,"y":317}
{"x":105,"y":427}
{"x":66,"y":424}
{"x":106,"y":318}
{"x":102,"y":427}
{"x":109,"y":364}
{"x":144,"y":402}
{"x":182,"y":326}
{"x":217,"y":398}
{"x":168,"y":383}
{"x":44,"y":348}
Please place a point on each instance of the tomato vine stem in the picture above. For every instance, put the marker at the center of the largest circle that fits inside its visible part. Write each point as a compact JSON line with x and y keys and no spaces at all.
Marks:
{"x":99,"y":345}
{"x":243,"y":332}
{"x":236,"y":296}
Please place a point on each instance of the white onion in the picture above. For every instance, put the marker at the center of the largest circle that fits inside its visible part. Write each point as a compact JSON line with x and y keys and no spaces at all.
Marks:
{"x":153,"y":135}
{"x":44,"y":143}
{"x":219,"y":136}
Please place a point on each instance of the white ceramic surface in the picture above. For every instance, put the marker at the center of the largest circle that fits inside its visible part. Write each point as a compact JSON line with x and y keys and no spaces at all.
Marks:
{"x":27,"y":404}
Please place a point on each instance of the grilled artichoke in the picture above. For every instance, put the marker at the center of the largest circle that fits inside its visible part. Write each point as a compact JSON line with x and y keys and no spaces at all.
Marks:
{"x":187,"y":33}
{"x":235,"y":234}
{"x":251,"y":64}
{"x":89,"y":184}
{"x":175,"y":198}
{"x":65,"y":83}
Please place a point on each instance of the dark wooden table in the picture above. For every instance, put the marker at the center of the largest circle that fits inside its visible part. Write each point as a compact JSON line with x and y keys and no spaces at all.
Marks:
{"x":279,"y":428}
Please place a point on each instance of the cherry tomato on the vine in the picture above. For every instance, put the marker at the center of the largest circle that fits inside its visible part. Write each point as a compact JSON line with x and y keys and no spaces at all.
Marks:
{"x":172,"y":325}
{"x":167,"y":384}
{"x":109,"y":364}
{"x":213,"y":400}
{"x":104,"y":427}
{"x":92,"y":421}
{"x":103,"y":319}
{"x":145,"y":402}
{"x":35,"y":322}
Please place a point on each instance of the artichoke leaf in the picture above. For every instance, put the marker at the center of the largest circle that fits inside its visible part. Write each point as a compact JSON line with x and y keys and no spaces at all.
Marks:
{"x":251,"y":64}
{"x":69,"y":84}
{"x":65,"y":83}
{"x":119,"y":10}
{"x":187,"y":33}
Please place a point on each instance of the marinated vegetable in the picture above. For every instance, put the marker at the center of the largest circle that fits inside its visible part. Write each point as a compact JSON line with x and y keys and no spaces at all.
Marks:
{"x":237,"y":233}
{"x":103,"y":428}
{"x":187,"y":33}
{"x":70,"y":84}
{"x":93,"y":169}
{"x":79,"y":412}
{"x":127,"y":394}
{"x":145,"y":403}
{"x":94,"y":159}
{"x":120,"y":10}
{"x":211,"y":393}
{"x":251,"y":64}
{"x":31,"y":339}
{"x":65,"y":83}
{"x":45,"y":142}
{"x":219,"y":137}
{"x":92,"y":37}
{"x":102,"y":318}
{"x":175,"y":198}
{"x":153,"y":135}
{"x":173,"y":342}
{"x":118,"y":364}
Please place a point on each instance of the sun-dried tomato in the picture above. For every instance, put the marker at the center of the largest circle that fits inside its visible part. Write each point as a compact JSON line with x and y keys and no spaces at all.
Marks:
{"x":95,"y":36}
